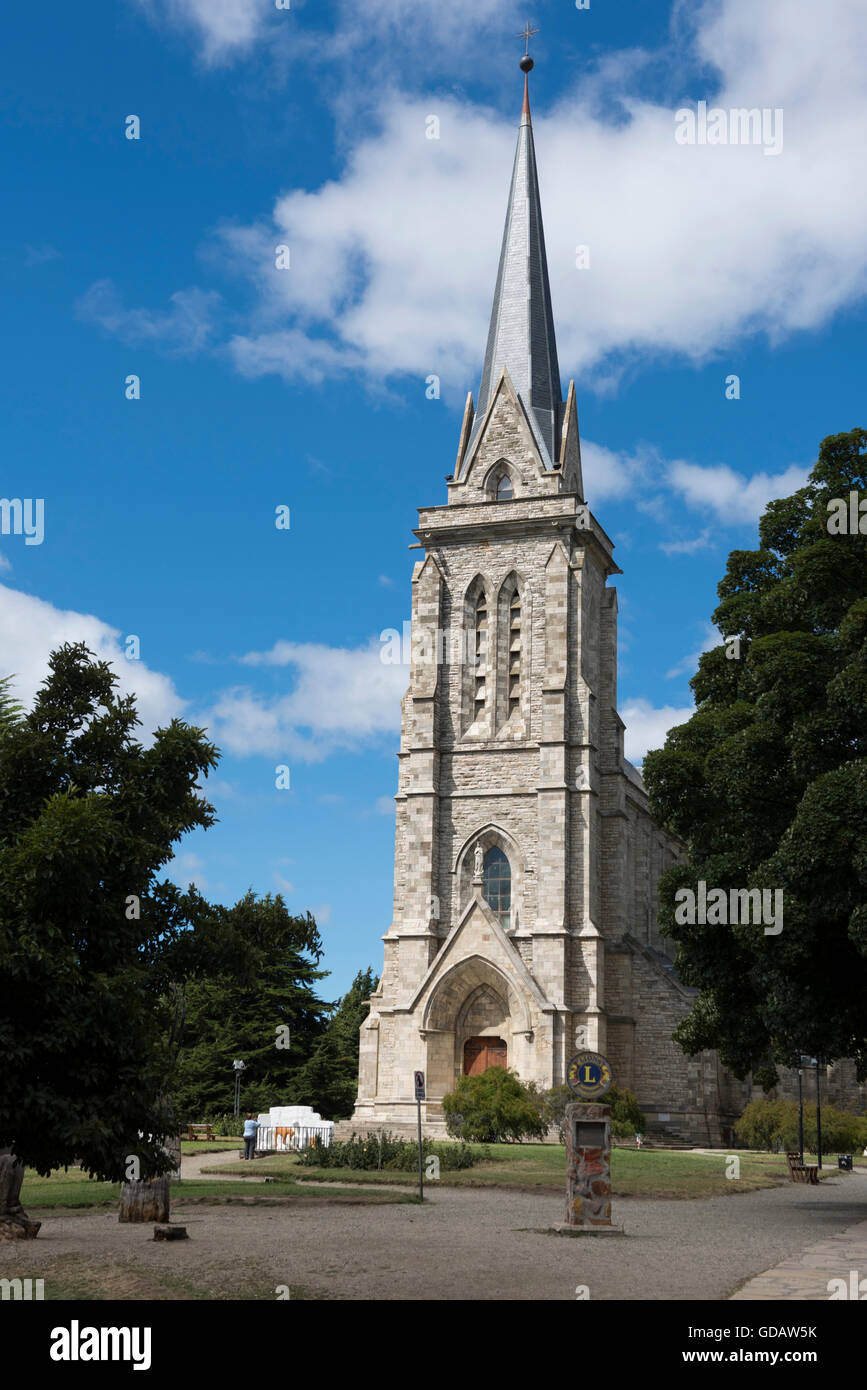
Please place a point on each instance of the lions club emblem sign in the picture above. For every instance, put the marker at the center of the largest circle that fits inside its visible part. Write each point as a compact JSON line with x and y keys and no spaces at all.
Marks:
{"x":589,"y":1075}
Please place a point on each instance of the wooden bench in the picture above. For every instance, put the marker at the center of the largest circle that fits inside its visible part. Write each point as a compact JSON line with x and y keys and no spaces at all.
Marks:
{"x":802,"y":1172}
{"x":199,"y":1132}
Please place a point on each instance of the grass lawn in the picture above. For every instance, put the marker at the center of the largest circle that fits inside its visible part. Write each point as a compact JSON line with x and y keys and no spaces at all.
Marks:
{"x":74,"y":1189}
{"x":542,"y":1168}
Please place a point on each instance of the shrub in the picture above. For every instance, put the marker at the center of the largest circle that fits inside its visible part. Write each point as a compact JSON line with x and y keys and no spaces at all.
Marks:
{"x":762,"y":1124}
{"x":493,"y":1107}
{"x":773,"y":1124}
{"x":451,"y":1156}
{"x":384,"y":1151}
{"x":226,"y":1125}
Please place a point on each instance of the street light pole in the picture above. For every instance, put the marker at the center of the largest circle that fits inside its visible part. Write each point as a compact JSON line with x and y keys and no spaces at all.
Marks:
{"x":238,"y":1066}
{"x":801,"y":1113}
{"x":818,"y":1117}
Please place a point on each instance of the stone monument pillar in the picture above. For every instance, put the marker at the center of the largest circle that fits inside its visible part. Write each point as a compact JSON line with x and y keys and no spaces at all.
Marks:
{"x":588,"y":1171}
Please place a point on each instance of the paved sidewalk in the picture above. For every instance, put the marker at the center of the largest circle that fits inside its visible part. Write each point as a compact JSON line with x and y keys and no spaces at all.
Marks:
{"x":805,"y":1277}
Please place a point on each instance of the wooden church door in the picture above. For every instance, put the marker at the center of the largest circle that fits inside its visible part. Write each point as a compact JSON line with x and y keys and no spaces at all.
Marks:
{"x":481,"y":1053}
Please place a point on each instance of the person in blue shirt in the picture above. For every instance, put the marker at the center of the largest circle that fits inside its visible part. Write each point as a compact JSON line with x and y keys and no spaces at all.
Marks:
{"x":251,"y":1129}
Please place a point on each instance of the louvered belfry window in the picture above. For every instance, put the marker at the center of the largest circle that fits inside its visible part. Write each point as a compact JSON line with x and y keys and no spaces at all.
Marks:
{"x":481,"y":655}
{"x":515,"y":653}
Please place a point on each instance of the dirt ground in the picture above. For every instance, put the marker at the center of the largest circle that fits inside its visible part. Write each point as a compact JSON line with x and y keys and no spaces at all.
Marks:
{"x":463,"y":1244}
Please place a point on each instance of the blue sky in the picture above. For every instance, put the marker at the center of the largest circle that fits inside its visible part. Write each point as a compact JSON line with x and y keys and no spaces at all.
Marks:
{"x":306,"y":387}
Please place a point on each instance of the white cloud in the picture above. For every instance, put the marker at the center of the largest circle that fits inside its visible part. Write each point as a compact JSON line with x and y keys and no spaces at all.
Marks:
{"x":187,"y":869}
{"x":186,"y":328}
{"x":733,"y":496}
{"x":31,"y":629}
{"x":283,"y":884}
{"x":5,"y":564}
{"x":612,"y":473}
{"x":646,"y":726}
{"x":341,"y":698}
{"x":688,"y":665}
{"x":703,"y":541}
{"x":691,"y":247}
{"x":40,"y":255}
{"x":652,"y":483}
{"x":227,"y":29}
{"x":222,"y":27}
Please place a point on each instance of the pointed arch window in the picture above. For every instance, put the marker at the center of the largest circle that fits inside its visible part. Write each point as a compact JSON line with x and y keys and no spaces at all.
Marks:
{"x":497,"y":888}
{"x":505,"y":491}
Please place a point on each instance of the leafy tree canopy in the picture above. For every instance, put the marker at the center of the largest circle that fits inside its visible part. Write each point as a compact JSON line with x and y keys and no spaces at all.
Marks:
{"x":88,"y":817}
{"x":266,"y":1015}
{"x":767,"y":786}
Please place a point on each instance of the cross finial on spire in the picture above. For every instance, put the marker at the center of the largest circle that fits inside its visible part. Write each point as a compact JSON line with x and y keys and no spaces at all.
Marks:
{"x":526,"y":65}
{"x":528,"y":33}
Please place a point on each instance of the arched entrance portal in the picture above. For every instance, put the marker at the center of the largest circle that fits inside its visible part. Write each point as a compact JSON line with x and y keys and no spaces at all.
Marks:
{"x":481,"y":1053}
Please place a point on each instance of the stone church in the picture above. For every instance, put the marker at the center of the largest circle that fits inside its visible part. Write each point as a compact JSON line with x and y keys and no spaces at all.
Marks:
{"x":526,"y":860}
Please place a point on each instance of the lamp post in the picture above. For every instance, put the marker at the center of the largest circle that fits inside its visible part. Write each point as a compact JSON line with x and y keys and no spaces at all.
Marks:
{"x":801,"y":1113}
{"x":819,"y":1060}
{"x":811,"y":1062}
{"x":238,"y":1067}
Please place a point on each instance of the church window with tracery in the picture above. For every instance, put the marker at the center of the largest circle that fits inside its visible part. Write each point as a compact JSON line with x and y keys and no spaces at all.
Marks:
{"x":498,"y":885}
{"x":504,"y":489}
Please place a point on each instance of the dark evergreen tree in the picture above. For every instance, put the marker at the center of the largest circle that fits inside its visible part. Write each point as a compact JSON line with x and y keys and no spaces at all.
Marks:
{"x":329,"y":1080}
{"x":767,"y":784}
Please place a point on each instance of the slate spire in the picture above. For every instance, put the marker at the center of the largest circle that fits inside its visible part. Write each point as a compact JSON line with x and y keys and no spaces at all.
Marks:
{"x":521,"y":335}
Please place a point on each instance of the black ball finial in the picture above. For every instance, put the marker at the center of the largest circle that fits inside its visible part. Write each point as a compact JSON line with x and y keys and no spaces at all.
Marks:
{"x":527,"y":63}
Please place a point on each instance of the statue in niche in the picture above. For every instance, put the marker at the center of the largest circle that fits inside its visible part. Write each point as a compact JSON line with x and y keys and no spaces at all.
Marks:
{"x":478,"y":861}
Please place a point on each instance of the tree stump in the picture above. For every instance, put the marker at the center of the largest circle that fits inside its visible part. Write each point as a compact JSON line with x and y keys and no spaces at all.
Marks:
{"x":15,"y":1224}
{"x":145,"y":1201}
{"x":170,"y":1233}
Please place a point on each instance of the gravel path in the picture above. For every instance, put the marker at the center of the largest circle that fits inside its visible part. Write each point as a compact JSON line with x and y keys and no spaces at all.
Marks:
{"x":192,"y":1165}
{"x":466,"y":1244}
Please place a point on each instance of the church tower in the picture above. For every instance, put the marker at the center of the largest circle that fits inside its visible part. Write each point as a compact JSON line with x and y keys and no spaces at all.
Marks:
{"x":526,"y":862}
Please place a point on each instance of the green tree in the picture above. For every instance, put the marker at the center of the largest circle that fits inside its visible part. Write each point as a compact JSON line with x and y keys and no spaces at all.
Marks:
{"x":767,"y":785}
{"x":329,"y":1079}
{"x":88,"y":817}
{"x":627,"y":1117}
{"x":264,"y":1013}
{"x":493,"y":1107}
